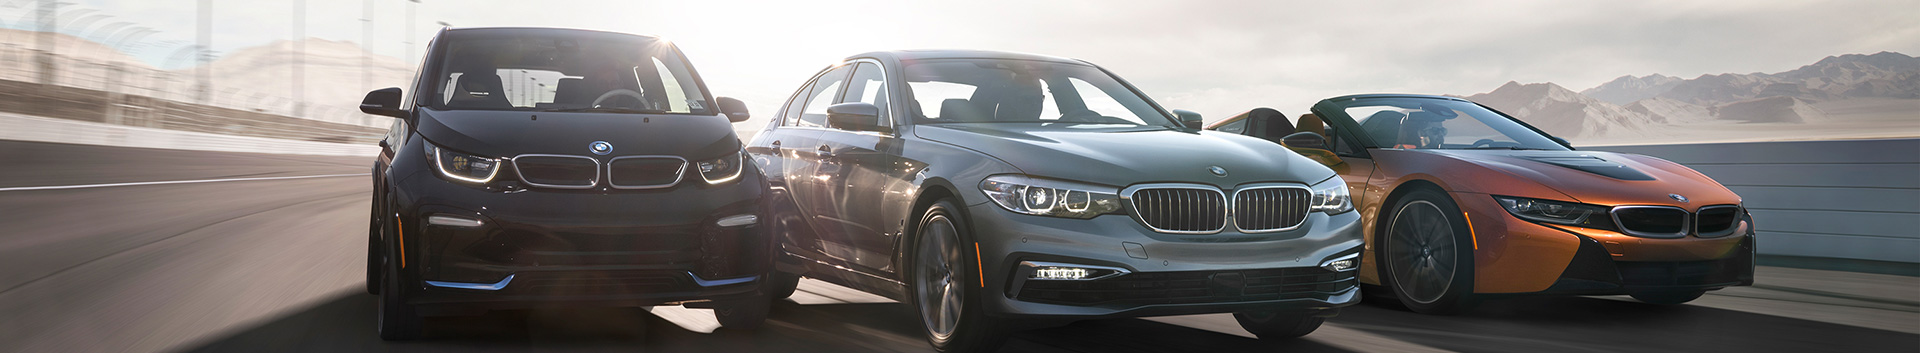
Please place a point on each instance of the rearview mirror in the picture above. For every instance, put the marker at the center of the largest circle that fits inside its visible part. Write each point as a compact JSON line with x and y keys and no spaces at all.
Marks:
{"x":383,"y":102}
{"x":856,"y":116}
{"x":1188,"y":118}
{"x":734,"y":109}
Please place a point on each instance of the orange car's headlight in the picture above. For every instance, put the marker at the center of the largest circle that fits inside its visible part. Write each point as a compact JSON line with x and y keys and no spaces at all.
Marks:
{"x":1556,"y":212}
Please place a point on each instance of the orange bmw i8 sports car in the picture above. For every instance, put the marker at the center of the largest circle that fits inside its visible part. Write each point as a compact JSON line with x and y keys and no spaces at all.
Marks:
{"x":1460,"y":202}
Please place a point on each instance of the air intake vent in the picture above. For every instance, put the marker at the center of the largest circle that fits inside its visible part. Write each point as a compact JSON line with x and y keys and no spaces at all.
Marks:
{"x":645,"y":172}
{"x":1716,"y":221}
{"x":1652,"y":221}
{"x":1270,"y":209}
{"x":557,"y":171}
{"x":1181,"y":210}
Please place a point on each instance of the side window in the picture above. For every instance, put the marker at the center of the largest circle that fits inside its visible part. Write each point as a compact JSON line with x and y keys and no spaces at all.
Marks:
{"x":825,"y":91}
{"x":868,"y":85}
{"x":791,"y":115}
{"x":1235,"y":127}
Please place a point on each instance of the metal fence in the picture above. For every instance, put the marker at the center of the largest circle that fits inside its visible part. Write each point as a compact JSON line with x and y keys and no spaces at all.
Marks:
{"x":21,"y":63}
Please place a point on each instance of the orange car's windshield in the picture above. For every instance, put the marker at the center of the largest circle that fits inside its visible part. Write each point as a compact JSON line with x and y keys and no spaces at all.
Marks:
{"x":1426,"y":123}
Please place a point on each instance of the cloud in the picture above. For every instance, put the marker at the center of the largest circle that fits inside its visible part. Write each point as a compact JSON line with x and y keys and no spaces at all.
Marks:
{"x":1217,"y":57}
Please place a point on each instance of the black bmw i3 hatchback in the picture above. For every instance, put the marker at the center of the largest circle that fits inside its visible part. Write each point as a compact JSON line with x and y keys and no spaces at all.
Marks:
{"x":533,"y":167}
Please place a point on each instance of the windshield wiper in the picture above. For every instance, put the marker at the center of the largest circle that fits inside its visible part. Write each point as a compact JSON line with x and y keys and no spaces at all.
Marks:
{"x":606,"y":110}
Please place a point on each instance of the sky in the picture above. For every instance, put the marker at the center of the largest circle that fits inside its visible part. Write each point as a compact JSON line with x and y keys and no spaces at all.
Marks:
{"x":1214,"y":57}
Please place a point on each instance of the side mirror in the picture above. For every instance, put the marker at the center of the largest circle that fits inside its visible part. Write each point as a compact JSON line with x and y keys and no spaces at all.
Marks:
{"x":383,"y":102}
{"x":1188,"y":118}
{"x":735,"y":110}
{"x":855,"y":116}
{"x":1305,"y":139}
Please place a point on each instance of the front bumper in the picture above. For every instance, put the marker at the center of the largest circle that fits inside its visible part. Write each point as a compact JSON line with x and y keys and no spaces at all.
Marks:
{"x":469,"y":248}
{"x":1169,"y":274}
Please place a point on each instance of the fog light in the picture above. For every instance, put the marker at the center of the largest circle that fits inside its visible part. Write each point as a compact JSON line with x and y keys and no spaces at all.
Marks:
{"x":1343,"y":263}
{"x":738,"y":220}
{"x":1050,"y":271}
{"x":1060,"y":273}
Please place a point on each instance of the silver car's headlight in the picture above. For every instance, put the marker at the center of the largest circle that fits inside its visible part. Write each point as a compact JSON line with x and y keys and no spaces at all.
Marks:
{"x":723,"y":169}
{"x":1330,"y":196}
{"x":461,"y":166}
{"x":1043,"y":197}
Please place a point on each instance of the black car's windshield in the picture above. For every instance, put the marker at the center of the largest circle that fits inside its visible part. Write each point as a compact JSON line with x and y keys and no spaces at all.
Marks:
{"x":601,"y":74}
{"x":1427,"y":123}
{"x":1021,"y":91}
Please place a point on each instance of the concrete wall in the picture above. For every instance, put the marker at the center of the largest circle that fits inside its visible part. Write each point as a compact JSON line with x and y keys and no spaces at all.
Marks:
{"x":1855,"y":199}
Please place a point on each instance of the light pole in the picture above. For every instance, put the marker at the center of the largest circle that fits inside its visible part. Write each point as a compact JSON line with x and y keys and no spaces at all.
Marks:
{"x":299,"y":57}
{"x":366,"y":46}
{"x":203,"y":54}
{"x":410,"y":10}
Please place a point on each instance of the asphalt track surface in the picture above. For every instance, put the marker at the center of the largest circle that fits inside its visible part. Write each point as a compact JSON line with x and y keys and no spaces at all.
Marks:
{"x":276,"y":265}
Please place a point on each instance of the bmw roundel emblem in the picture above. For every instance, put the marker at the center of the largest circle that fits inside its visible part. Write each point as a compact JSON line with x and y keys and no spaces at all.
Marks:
{"x":1217,"y":170}
{"x":1677,"y":197}
{"x":600,"y":147}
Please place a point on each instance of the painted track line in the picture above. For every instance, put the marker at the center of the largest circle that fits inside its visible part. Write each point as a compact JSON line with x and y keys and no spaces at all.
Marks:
{"x":90,"y":186}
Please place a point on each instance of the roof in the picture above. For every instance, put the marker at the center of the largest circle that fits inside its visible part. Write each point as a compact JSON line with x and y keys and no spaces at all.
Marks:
{"x":498,"y":31}
{"x":919,"y":54}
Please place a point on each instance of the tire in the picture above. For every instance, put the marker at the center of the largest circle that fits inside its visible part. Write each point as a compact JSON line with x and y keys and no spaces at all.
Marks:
{"x":746,"y":315}
{"x":1667,"y":297}
{"x":398,"y":321}
{"x":1278,"y":326}
{"x":950,"y":311}
{"x":373,"y":247}
{"x":781,"y":285}
{"x":1427,"y":255}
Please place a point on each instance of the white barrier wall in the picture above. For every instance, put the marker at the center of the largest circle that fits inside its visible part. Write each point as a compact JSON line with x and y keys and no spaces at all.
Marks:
{"x":1855,"y":199}
{"x":41,"y":129}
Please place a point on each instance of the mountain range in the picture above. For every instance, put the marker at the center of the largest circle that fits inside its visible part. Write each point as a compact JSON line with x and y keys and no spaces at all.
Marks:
{"x":1632,"y":105}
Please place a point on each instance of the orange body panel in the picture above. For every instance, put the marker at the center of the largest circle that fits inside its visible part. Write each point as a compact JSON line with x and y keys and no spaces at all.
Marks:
{"x":1518,"y":256}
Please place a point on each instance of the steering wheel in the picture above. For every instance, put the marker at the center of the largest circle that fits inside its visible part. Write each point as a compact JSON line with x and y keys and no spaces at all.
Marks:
{"x":1483,"y":143}
{"x":637,"y":97}
{"x":1080,"y":116}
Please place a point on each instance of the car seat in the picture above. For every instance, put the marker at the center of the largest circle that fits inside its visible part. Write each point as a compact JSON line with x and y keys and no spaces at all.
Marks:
{"x":479,"y":90}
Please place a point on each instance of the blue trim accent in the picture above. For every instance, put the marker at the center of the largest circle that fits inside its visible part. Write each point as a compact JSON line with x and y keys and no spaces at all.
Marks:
{"x":720,"y":282}
{"x":502,"y":284}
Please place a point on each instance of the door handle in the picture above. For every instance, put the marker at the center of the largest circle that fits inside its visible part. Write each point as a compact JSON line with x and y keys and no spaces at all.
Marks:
{"x":825,"y":150}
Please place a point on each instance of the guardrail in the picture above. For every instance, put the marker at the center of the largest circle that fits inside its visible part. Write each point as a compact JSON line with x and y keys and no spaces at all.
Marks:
{"x":1851,"y":199}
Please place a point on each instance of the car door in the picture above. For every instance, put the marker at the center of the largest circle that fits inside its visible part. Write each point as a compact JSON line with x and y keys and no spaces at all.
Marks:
{"x":858,"y":168}
{"x":808,"y":166}
{"x":772,"y":150}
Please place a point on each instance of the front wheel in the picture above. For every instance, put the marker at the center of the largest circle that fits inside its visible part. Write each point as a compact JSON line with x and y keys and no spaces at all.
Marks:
{"x":398,"y":321}
{"x":1428,"y":255}
{"x":949,"y":308}
{"x":1667,"y":297}
{"x":1277,"y":325}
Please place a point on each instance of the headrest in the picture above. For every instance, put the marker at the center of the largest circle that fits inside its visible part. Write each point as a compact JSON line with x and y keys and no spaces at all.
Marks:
{"x":1273,"y":124}
{"x":1311,"y":123}
{"x":961,"y":110}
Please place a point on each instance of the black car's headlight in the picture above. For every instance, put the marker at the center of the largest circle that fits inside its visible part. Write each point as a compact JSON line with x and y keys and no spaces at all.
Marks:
{"x":1043,"y":197}
{"x":461,"y":166}
{"x":721,"y":170}
{"x":1330,"y":196}
{"x":1556,"y":212}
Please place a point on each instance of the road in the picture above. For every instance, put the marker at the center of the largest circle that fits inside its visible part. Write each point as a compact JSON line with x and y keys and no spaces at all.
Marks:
{"x":276,"y":264}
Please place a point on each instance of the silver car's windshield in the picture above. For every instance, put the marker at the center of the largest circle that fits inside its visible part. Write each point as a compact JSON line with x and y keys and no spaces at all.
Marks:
{"x":1022,"y":91}
{"x":562,"y":73}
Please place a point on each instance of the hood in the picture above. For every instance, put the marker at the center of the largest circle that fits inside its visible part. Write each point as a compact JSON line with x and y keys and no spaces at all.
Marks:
{"x":511,"y":133}
{"x":1125,"y":155}
{"x":1601,"y":178}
